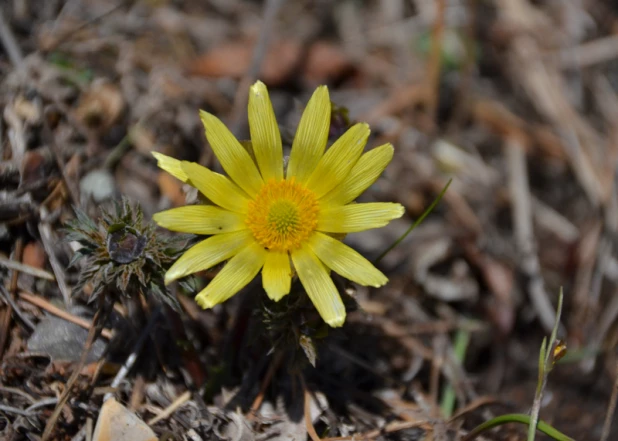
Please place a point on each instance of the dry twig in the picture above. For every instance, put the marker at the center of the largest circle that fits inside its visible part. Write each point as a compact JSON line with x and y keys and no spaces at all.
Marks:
{"x":390,"y":428}
{"x":46,"y":237}
{"x":588,"y":54}
{"x":307,"y":411}
{"x":524,"y":234}
{"x":49,"y":307}
{"x":9,"y":299}
{"x":271,"y":8}
{"x":9,"y":42}
{"x":5,"y":314}
{"x":270,"y":373}
{"x":611,"y":408}
{"x":26,"y":269}
{"x":435,"y":59}
{"x":169,"y":410}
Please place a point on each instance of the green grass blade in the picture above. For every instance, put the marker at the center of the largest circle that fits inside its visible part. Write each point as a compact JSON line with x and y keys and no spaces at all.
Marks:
{"x":462,"y":338}
{"x":415,"y":224}
{"x":542,"y":427}
{"x":554,"y":332}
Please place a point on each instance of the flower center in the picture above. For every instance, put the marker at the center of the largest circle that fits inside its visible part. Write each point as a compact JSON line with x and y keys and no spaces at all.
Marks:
{"x":282,"y":215}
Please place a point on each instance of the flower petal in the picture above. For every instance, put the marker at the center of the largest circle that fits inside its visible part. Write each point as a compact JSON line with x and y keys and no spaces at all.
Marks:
{"x":277,"y":275}
{"x":265,"y":135}
{"x":216,"y":187}
{"x":358,"y":217}
{"x":237,"y":273}
{"x":208,"y":253}
{"x":319,"y":286}
{"x":366,"y":171}
{"x":170,"y":165}
{"x":338,"y":160}
{"x":233,"y":157}
{"x":311,"y":136}
{"x":200,"y":219}
{"x":345,"y":261}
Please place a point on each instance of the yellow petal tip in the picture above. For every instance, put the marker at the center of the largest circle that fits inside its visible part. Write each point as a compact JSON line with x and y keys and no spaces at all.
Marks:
{"x":400,"y":211}
{"x":336,"y":322}
{"x":258,"y":87}
{"x":169,"y":278}
{"x":321,"y":92}
{"x":381,"y":283}
{"x":203,"y":301}
{"x":276,"y":295}
{"x":174,"y":273}
{"x":207,"y":119}
{"x":170,"y":165}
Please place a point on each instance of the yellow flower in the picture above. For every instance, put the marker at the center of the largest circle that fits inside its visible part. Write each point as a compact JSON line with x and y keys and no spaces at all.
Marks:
{"x":262,"y":216}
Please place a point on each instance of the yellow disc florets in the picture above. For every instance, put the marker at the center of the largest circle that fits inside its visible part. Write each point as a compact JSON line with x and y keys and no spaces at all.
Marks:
{"x":282,"y":215}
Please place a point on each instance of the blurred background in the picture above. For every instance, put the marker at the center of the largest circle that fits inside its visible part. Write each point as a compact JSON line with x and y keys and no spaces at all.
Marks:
{"x":514,"y":100}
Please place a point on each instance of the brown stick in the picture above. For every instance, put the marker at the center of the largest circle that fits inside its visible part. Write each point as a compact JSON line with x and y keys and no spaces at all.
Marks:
{"x":307,"y":410}
{"x":480,"y":401}
{"x":524,"y":233}
{"x":435,"y":59}
{"x":9,"y":42}
{"x":270,"y":373}
{"x":47,"y":240}
{"x":399,"y":99}
{"x":611,"y":408}
{"x":169,"y":410}
{"x":259,"y":52}
{"x":390,"y":428}
{"x":47,"y":306}
{"x":20,"y":267}
{"x":5,"y":313}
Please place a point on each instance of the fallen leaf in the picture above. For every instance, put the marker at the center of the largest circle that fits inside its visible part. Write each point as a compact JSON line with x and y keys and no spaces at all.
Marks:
{"x":71,"y":168}
{"x":326,"y":62}
{"x":29,"y":111}
{"x":34,"y":255}
{"x":100,"y":106}
{"x":142,"y":139}
{"x":171,"y":188}
{"x":230,"y":425}
{"x":36,"y":166}
{"x":232,"y":59}
{"x":117,"y":423}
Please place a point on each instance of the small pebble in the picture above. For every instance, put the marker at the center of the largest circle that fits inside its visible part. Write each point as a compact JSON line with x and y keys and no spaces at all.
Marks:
{"x":98,"y":184}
